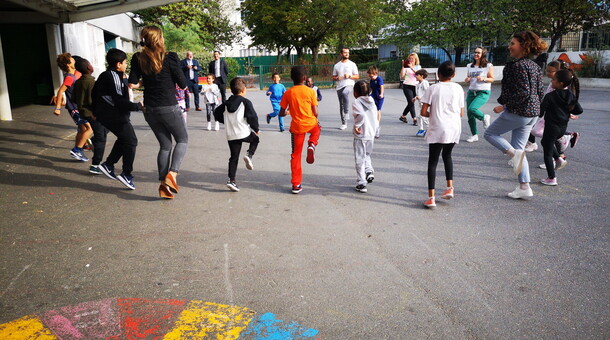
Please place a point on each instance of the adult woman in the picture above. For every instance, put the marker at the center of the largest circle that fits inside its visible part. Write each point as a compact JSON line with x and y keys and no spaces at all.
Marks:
{"x":480,"y":75}
{"x":408,"y":85}
{"x":160,"y":72}
{"x":521,"y":95}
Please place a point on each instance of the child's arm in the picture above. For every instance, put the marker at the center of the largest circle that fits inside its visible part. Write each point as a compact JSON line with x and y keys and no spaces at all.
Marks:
{"x":219,"y":113}
{"x":58,"y":100}
{"x":282,"y":112}
{"x":314,"y":110}
{"x":381,"y":90}
{"x":319,"y":94}
{"x":425,"y":113}
{"x":461,"y":112}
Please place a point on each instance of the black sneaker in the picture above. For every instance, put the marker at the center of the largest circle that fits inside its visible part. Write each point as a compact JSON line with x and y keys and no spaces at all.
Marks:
{"x":268,"y":119}
{"x":296,"y":189}
{"x":361,"y":188}
{"x":127,"y":180}
{"x":574,"y":139}
{"x":231,"y":185}
{"x":107,"y":170}
{"x":402,"y":119}
{"x":370,"y":177}
{"x":248,"y":161}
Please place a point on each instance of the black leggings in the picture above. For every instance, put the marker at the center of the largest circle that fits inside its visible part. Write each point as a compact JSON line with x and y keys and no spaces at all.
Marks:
{"x":435,"y":152}
{"x":409,"y":91}
{"x":235,"y":148}
{"x":549,"y":137}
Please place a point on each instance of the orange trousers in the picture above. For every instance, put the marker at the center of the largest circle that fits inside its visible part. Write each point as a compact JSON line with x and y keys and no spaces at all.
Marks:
{"x":297,"y":151}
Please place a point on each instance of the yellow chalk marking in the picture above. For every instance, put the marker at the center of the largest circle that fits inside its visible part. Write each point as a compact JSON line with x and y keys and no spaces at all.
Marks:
{"x":28,"y":327}
{"x":206,"y":320}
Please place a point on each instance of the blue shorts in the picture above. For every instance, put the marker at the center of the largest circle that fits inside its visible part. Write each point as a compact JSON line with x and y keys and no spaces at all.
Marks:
{"x":378,"y":103}
{"x":77,"y":118}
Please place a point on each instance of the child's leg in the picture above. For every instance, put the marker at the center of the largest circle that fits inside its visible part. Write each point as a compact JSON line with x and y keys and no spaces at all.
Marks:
{"x":209,"y":111}
{"x":448,"y":162}
{"x":253,"y":140}
{"x":276,"y":109}
{"x":83,"y":133}
{"x":235,"y":148}
{"x":314,"y":135}
{"x":434,"y":151}
{"x":99,"y":141}
{"x":359,"y":158}
{"x":128,"y":142}
{"x":295,"y":157}
{"x":548,"y":146}
{"x":420,"y":120}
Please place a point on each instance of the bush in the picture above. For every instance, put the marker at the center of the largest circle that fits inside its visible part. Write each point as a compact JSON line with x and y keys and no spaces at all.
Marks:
{"x":233,"y":66}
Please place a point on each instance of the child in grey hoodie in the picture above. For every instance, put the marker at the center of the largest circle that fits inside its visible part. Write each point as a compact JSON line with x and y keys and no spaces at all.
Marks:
{"x":366,"y":124}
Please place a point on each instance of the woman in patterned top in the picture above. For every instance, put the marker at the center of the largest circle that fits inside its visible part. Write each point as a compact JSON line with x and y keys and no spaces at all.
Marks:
{"x":522,"y":92}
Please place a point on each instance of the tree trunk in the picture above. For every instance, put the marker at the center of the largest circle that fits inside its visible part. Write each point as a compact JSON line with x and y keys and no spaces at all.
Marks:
{"x":448,"y":54}
{"x":314,"y":52}
{"x":458,"y":54}
{"x":299,"y":52}
{"x":554,"y":39}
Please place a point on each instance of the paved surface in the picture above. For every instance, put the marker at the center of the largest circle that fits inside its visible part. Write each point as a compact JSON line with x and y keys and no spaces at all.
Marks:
{"x":349,"y":265}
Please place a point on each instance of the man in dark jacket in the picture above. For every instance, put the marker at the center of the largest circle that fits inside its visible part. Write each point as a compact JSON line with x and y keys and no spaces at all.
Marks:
{"x":191,"y":67}
{"x":219,"y":69}
{"x":112,"y":108}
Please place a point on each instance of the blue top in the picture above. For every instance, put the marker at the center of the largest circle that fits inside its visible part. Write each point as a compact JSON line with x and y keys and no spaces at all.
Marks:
{"x":376,"y":87}
{"x":277,"y":91}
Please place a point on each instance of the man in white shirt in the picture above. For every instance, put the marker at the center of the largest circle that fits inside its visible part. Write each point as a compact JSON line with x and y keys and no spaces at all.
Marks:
{"x":345,"y":73}
{"x":191,"y":68}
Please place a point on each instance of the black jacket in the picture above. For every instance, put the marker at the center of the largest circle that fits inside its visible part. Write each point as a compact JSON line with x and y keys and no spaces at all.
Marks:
{"x":224,"y":70}
{"x":111,"y":97}
{"x":159,"y":89}
{"x":557,"y":106}
{"x":232,"y":104}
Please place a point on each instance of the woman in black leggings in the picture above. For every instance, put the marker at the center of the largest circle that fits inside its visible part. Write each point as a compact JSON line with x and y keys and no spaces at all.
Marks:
{"x":408,"y":85}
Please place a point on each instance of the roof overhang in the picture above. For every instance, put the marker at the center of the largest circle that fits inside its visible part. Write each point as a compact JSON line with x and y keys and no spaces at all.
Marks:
{"x":68,"y":11}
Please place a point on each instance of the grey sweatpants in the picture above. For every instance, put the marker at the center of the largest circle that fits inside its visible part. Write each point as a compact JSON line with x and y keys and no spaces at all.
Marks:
{"x":344,"y":94}
{"x":362,"y":154}
{"x":166,"y":122}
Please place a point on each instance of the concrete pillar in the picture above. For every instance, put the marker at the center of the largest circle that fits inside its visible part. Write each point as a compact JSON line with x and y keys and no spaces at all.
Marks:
{"x":5,"y":102}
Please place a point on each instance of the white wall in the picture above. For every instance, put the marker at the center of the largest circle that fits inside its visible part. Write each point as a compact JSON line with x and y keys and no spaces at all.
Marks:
{"x":121,"y":24}
{"x":86,"y":41}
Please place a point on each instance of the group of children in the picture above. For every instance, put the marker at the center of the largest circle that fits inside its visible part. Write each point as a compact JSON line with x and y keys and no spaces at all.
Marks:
{"x":104,"y":105}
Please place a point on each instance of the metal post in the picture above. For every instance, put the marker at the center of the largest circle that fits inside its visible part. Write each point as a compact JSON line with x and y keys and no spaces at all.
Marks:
{"x":5,"y":102}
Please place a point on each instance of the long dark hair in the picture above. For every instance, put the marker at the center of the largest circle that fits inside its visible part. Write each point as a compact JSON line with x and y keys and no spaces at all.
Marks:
{"x":483,"y":61}
{"x":574,"y":86}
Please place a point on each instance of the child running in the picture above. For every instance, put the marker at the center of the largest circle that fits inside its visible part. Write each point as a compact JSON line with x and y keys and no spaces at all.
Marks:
{"x":556,"y":107}
{"x":377,"y":92}
{"x":420,"y":89}
{"x":275,"y":93}
{"x":211,"y":98}
{"x":66,"y":63}
{"x":366,"y":124}
{"x":303,"y":106}
{"x":239,"y":118}
{"x":309,"y":82}
{"x":446,"y":103}
{"x":112,"y":108}
{"x":83,"y":95}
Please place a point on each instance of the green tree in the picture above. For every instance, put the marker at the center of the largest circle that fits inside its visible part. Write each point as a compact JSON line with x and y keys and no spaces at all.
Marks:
{"x":205,"y":18}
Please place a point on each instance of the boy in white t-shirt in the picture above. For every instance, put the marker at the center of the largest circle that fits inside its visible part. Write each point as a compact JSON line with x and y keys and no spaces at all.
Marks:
{"x":446,"y":103}
{"x":344,"y":73}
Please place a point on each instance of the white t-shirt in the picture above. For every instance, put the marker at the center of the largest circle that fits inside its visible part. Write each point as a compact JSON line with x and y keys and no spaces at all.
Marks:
{"x":445,"y":99}
{"x":474,"y":72}
{"x":342,"y":68}
{"x":410,"y":75}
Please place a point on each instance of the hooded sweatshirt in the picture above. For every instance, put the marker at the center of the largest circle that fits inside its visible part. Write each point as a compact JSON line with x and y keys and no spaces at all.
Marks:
{"x":365,"y":117}
{"x":557,"y":106}
{"x":238,"y":116}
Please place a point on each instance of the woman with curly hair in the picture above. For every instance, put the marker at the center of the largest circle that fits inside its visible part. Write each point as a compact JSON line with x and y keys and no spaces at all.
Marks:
{"x":520,"y":99}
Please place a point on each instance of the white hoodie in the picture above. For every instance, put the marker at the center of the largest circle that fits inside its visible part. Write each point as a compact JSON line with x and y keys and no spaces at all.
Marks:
{"x":365,"y":117}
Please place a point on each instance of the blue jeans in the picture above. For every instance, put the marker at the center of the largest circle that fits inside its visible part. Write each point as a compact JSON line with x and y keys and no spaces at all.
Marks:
{"x":276,"y":112}
{"x":520,"y":127}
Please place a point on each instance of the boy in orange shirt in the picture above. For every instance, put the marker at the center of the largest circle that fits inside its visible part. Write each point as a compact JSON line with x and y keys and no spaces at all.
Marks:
{"x":302,"y":104}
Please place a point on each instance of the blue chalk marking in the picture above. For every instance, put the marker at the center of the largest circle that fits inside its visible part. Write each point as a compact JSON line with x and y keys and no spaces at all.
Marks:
{"x":269,"y":328}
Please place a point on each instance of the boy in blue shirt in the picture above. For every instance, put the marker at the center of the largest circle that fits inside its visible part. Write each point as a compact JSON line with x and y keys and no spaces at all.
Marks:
{"x":275,"y":93}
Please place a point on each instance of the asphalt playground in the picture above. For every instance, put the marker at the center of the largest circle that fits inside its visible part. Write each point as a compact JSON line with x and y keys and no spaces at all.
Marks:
{"x":83,"y":257}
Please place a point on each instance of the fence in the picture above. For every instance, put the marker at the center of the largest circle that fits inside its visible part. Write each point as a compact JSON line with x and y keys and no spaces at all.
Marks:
{"x":261,"y":75}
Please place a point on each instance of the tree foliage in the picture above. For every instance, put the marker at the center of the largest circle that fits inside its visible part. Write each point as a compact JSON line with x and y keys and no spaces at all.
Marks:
{"x":286,"y":24}
{"x":205,"y":19}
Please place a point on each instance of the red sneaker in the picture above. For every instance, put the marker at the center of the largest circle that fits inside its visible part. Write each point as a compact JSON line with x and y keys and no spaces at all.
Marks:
{"x":310,"y":154}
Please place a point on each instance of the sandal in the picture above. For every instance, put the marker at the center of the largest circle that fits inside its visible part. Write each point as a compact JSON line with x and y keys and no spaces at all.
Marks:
{"x":170,"y":181}
{"x":164,"y":192}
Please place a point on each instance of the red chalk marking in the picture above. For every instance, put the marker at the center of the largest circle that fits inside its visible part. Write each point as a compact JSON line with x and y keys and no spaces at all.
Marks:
{"x":150,"y":319}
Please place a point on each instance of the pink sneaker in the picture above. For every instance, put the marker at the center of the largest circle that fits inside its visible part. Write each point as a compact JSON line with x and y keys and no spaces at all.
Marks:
{"x":549,"y":181}
{"x":430,"y":203}
{"x":448,"y":194}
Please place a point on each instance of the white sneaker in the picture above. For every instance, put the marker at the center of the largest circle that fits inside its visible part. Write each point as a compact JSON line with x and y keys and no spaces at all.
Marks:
{"x":520,"y":193}
{"x":216,"y":126}
{"x":343,"y":127}
{"x":473,"y":138}
{"x":209,"y":126}
{"x":560,"y":163}
{"x":486,"y":121}
{"x":518,"y":161}
{"x":248,"y":161}
{"x":529,"y":147}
